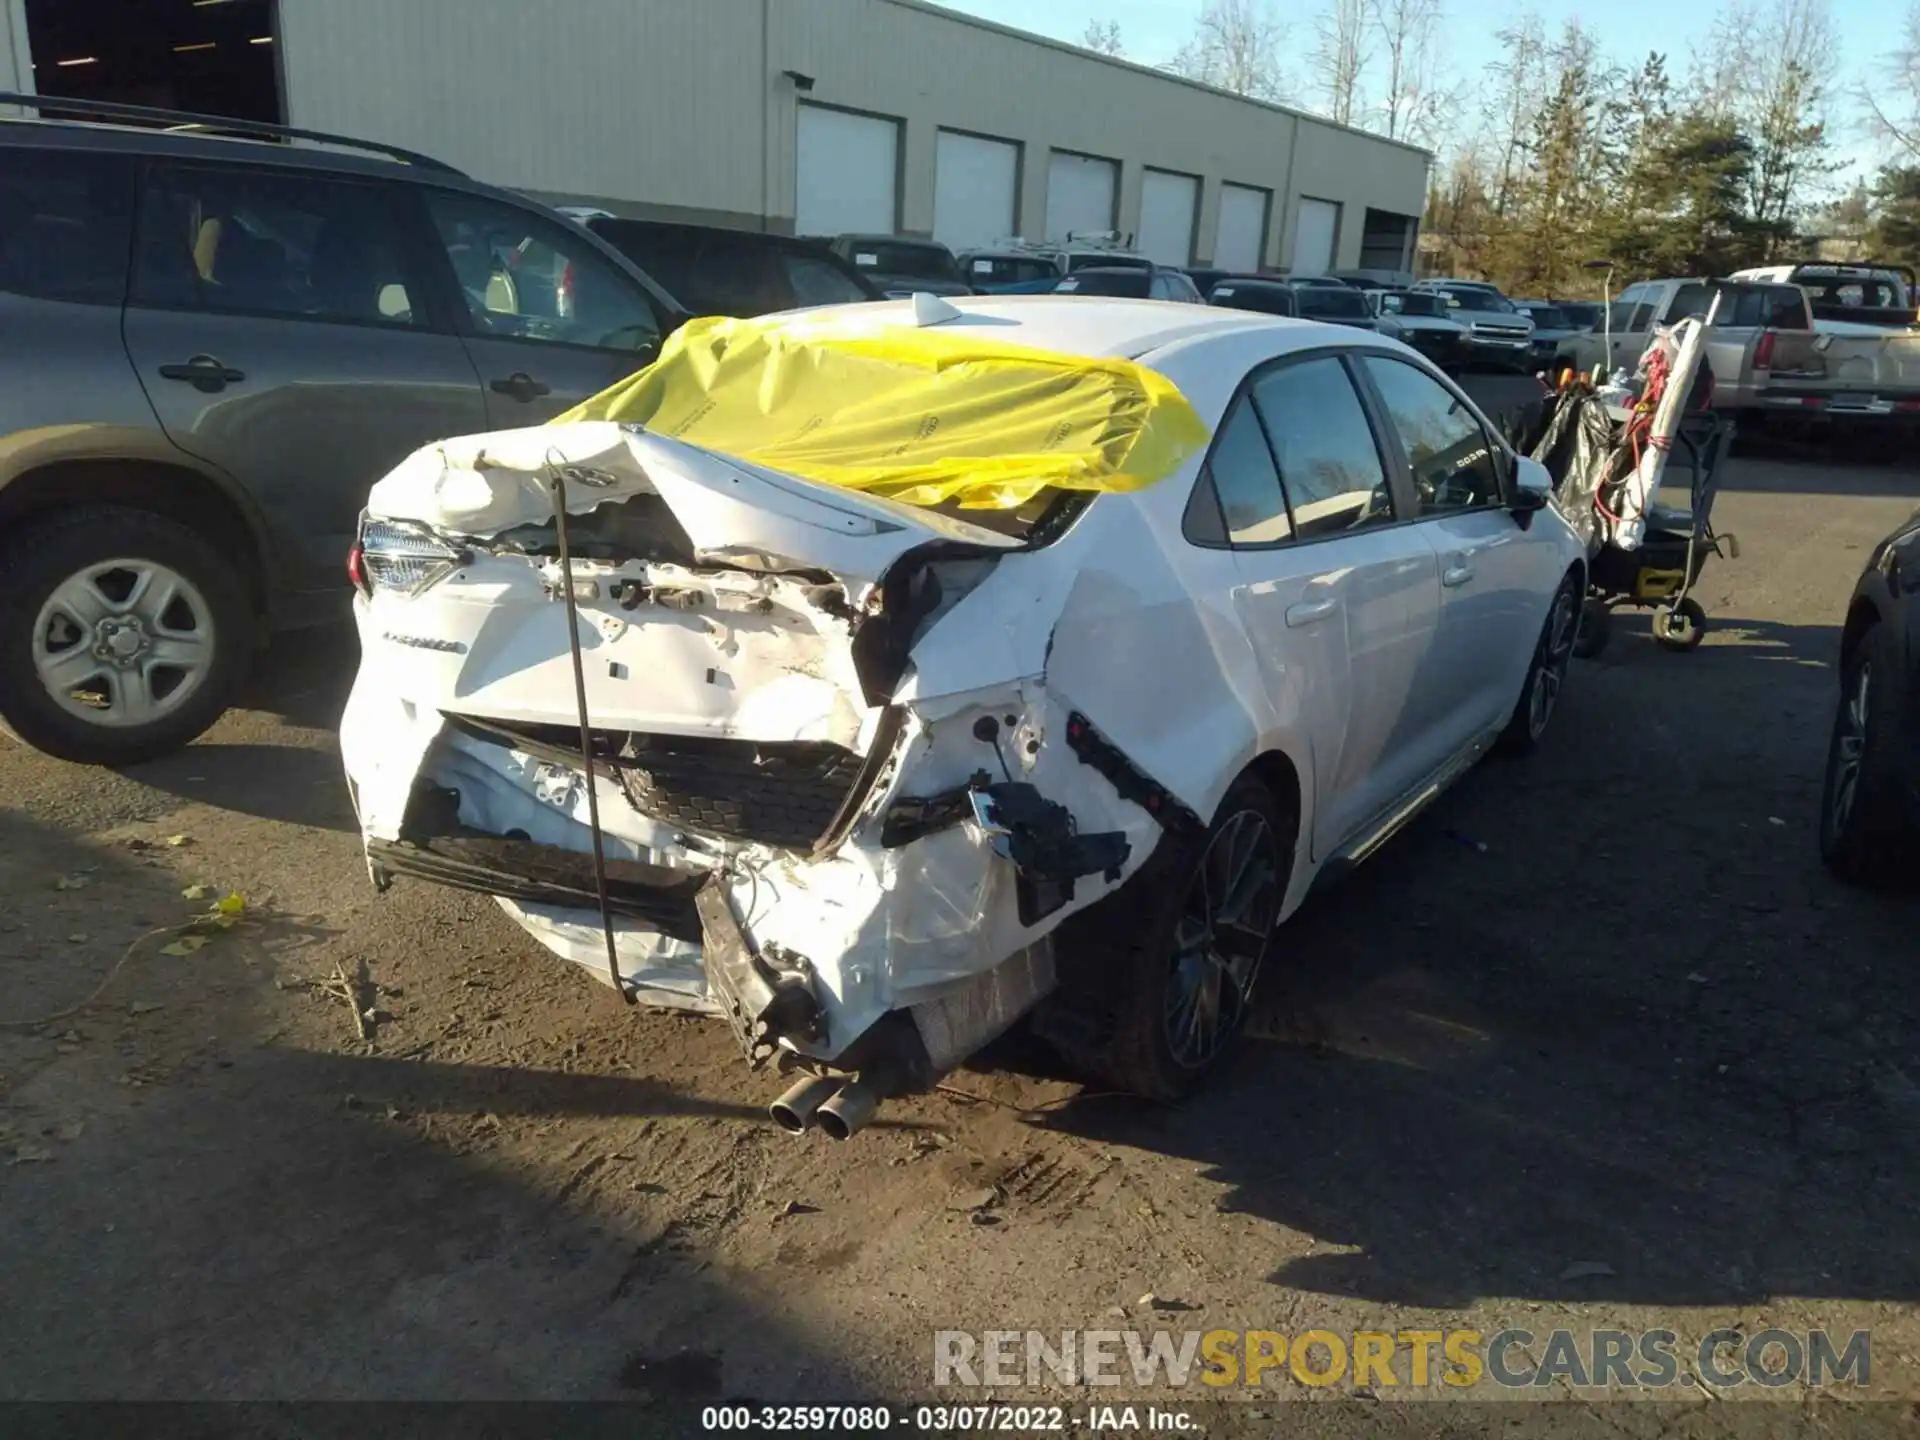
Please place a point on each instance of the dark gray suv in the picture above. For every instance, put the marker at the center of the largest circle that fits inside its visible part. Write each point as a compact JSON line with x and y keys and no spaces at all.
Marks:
{"x":211,"y":345}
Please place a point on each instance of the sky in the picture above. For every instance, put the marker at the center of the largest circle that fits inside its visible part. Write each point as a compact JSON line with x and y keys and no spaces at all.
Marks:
{"x":1152,"y":30}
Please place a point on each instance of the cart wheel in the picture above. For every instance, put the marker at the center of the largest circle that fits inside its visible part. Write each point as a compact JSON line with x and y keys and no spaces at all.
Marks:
{"x":1680,"y":627}
{"x":1596,"y":628}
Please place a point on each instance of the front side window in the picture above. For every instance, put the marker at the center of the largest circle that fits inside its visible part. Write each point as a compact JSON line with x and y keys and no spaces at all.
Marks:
{"x":66,"y":220}
{"x":1453,"y":461}
{"x":1330,"y":468}
{"x":263,"y":242}
{"x":523,"y":278}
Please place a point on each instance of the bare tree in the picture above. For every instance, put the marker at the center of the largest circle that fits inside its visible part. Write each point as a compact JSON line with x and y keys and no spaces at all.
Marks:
{"x":1518,"y":92}
{"x":1892,"y":104}
{"x":1781,"y":98}
{"x":1343,"y":38}
{"x":1103,"y":37}
{"x":1413,"y":104}
{"x":1236,"y":45}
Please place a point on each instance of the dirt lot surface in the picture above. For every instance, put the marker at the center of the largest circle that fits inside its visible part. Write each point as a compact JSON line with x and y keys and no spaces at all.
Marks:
{"x":1596,"y":1043}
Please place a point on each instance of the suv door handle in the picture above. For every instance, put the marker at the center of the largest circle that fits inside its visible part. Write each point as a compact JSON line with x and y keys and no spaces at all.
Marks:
{"x":521,"y":386}
{"x":1309,"y":611}
{"x":204,"y":373}
{"x":1456,"y":574}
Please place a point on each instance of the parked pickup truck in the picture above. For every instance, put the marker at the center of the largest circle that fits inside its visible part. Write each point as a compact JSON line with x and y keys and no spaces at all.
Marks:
{"x":1874,"y":293}
{"x":1765,"y":349}
{"x":1759,"y":327}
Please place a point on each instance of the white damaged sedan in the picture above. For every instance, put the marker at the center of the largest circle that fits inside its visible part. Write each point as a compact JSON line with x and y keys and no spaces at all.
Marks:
{"x":874,"y":779}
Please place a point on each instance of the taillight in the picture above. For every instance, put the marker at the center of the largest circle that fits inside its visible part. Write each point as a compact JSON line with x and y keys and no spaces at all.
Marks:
{"x":357,"y":570}
{"x":1763,"y":352}
{"x":563,"y":292}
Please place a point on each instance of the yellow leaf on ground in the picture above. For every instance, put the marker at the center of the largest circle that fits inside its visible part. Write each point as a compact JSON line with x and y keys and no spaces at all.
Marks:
{"x":185,"y":945}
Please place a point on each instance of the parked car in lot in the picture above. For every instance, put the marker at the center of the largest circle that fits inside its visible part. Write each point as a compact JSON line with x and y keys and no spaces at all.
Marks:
{"x":995,"y":272}
{"x":1020,"y":267}
{"x":1582,"y":315}
{"x":1138,"y":282}
{"x":1271,"y":297}
{"x":874,"y":777}
{"x":1341,"y":306}
{"x":1424,"y":321}
{"x":897,"y":266}
{"x":709,"y":270}
{"x":1551,"y":327}
{"x":1497,"y":333}
{"x":214,"y":344}
{"x":1870,"y":804}
{"x":1205,"y":277}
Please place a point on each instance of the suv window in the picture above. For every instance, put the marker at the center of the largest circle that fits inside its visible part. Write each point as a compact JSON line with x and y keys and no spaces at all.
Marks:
{"x":814,"y":281}
{"x":66,"y":224}
{"x":229,"y":237}
{"x":1330,"y":468}
{"x":1642,"y":316}
{"x":1450,"y":454}
{"x":524,"y":278}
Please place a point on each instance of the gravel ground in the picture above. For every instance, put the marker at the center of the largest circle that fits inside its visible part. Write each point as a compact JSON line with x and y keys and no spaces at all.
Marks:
{"x":1595,"y":1043}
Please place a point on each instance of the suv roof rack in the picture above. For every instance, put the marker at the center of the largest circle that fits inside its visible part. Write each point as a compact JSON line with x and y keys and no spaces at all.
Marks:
{"x":187,"y":121}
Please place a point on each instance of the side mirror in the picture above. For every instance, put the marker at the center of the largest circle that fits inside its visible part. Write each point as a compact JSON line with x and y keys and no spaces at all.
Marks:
{"x":1531,"y":490}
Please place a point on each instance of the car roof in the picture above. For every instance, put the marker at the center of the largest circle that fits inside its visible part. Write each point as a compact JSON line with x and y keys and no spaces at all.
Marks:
{"x":1092,"y":325}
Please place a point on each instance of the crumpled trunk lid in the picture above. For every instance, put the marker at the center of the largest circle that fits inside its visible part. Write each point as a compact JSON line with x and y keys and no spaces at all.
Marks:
{"x":714,"y":598}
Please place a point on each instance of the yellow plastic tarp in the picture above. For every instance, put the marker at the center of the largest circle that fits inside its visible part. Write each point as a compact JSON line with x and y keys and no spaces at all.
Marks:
{"x":922,"y":416}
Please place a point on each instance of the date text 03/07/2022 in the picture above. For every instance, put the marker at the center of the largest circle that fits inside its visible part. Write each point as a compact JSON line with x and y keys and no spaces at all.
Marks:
{"x":946,"y":1419}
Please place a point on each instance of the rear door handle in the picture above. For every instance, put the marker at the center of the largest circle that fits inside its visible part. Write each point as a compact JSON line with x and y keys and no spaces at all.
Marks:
{"x":1307,"y":612}
{"x":204,"y":373}
{"x":1456,"y":575}
{"x":522,"y":387}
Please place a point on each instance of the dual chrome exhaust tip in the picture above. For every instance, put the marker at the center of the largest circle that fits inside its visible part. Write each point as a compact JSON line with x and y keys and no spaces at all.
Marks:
{"x":839,"y":1107}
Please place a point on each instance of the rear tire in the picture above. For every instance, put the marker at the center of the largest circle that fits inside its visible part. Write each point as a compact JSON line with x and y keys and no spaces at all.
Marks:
{"x":1546,"y":674}
{"x":123,"y":635}
{"x":1866,"y":836}
{"x":1157,"y":980}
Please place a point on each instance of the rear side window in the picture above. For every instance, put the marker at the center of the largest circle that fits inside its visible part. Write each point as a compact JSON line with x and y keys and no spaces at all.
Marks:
{"x":261,"y":242}
{"x":1241,"y":480}
{"x":1689,"y":302}
{"x":66,"y":225}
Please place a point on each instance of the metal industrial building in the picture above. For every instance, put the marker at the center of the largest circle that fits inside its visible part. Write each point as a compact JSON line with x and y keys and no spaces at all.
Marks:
{"x":815,"y":116}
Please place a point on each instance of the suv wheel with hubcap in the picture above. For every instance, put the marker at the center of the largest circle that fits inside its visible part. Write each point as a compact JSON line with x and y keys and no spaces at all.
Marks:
{"x":123,"y":635}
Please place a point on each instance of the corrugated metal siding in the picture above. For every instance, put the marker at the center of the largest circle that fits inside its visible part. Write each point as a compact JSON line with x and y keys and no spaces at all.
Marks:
{"x":686,"y":104}
{"x":631,"y":99}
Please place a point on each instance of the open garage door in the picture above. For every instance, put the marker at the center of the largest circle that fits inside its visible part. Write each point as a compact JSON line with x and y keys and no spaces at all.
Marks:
{"x":1315,"y":231}
{"x":1168,"y":204}
{"x":846,"y":173}
{"x":1081,"y":193}
{"x":1386,"y":241}
{"x":1242,"y":239}
{"x":214,"y":59}
{"x":975,"y":181}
